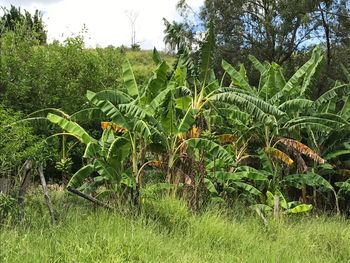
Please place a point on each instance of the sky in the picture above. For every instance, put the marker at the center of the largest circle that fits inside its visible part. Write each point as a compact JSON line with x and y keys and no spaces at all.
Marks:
{"x":106,"y":21}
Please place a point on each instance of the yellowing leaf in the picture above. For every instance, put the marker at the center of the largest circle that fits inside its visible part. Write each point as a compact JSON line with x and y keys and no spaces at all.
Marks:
{"x":279,"y":155}
{"x":156,"y":163}
{"x":227,"y":138}
{"x":194,"y":132}
{"x":105,"y":125}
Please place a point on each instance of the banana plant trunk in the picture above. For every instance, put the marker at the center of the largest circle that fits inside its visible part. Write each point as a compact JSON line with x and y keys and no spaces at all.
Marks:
{"x":135,"y":170}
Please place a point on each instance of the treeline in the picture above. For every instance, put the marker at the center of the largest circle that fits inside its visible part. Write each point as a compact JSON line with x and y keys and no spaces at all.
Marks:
{"x":284,"y":32}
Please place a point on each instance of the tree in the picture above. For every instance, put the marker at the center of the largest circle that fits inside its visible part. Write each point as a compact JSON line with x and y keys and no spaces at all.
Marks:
{"x":132,"y":16}
{"x":270,"y":30}
{"x":334,"y":20}
{"x":176,"y":36}
{"x":25,"y":23}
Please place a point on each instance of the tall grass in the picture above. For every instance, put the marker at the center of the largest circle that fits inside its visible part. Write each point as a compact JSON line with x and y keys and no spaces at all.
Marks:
{"x":167,"y":232}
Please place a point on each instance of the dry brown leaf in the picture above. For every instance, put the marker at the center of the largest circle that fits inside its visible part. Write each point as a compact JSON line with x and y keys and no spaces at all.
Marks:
{"x":302,"y":148}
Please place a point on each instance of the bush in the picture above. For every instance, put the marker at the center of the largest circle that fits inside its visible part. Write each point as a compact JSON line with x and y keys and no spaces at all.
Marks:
{"x":18,"y":144}
{"x":34,"y":77}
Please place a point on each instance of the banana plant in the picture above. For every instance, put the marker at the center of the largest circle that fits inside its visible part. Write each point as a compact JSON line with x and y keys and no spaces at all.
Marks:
{"x":176,"y":116}
{"x":314,"y":180}
{"x":276,"y":203}
{"x":244,"y":179}
{"x":344,"y":188}
{"x":129,"y":109}
{"x":280,"y":112}
{"x":104,"y":157}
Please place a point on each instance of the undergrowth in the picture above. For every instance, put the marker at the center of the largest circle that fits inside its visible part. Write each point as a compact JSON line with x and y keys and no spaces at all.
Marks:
{"x":166,"y":231}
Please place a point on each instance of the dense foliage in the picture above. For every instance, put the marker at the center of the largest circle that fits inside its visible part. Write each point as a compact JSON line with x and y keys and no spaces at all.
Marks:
{"x":281,"y":31}
{"x":267,"y":136}
{"x":57,"y":74}
{"x":208,"y":141}
{"x":24,"y":24}
{"x":18,"y":143}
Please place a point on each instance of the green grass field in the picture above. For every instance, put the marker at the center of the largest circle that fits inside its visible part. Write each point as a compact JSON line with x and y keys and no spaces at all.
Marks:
{"x":167,"y":232}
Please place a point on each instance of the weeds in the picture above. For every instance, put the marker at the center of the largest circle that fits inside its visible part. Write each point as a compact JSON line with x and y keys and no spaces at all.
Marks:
{"x":167,"y":232}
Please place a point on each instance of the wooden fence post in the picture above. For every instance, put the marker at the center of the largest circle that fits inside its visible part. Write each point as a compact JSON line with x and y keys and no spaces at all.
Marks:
{"x":46,"y":194}
{"x":28,"y":165}
{"x":276,"y":207}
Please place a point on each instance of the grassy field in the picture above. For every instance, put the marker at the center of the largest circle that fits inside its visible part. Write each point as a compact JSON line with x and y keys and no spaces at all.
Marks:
{"x":167,"y":232}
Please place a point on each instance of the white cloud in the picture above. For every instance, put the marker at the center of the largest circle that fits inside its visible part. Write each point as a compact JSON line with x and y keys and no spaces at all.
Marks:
{"x":106,"y":20}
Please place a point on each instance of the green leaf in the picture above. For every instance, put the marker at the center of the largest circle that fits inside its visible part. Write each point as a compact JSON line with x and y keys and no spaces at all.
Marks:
{"x":156,"y":57}
{"x":237,"y":176}
{"x":259,"y":109}
{"x":114,"y":96}
{"x":294,"y":83}
{"x":256,"y":63}
{"x":310,"y":179}
{"x":157,"y":82}
{"x":180,"y":75}
{"x":168,"y":116}
{"x":143,"y":129}
{"x":316,"y":58}
{"x":247,"y":187}
{"x":270,"y":199}
{"x":265,"y":161}
{"x":210,"y":186}
{"x":344,"y":186}
{"x":183,"y":103}
{"x":224,"y":176}
{"x":132,"y":111}
{"x":187,"y":121}
{"x":206,"y":54}
{"x":211,"y":148}
{"x":105,"y":170}
{"x":119,"y":149}
{"x":272,"y":81}
{"x":92,"y":150}
{"x":78,"y":178}
{"x":337,"y":153}
{"x":158,"y":100}
{"x":109,"y":109}
{"x":91,"y":114}
{"x":72,"y":128}
{"x":340,"y":90}
{"x":299,"y":209}
{"x":236,"y":77}
{"x":323,"y":122}
{"x":129,"y":78}
{"x":296,"y":105}
{"x":283,"y":201}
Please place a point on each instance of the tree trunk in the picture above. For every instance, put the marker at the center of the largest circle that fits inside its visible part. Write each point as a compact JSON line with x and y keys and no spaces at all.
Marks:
{"x":327,"y":34}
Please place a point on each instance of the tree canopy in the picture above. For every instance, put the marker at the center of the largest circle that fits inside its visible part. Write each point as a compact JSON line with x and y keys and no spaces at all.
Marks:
{"x":14,"y":19}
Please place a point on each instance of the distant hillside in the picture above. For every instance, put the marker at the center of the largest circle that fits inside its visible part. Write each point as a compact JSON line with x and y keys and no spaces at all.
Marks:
{"x":143,"y":64}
